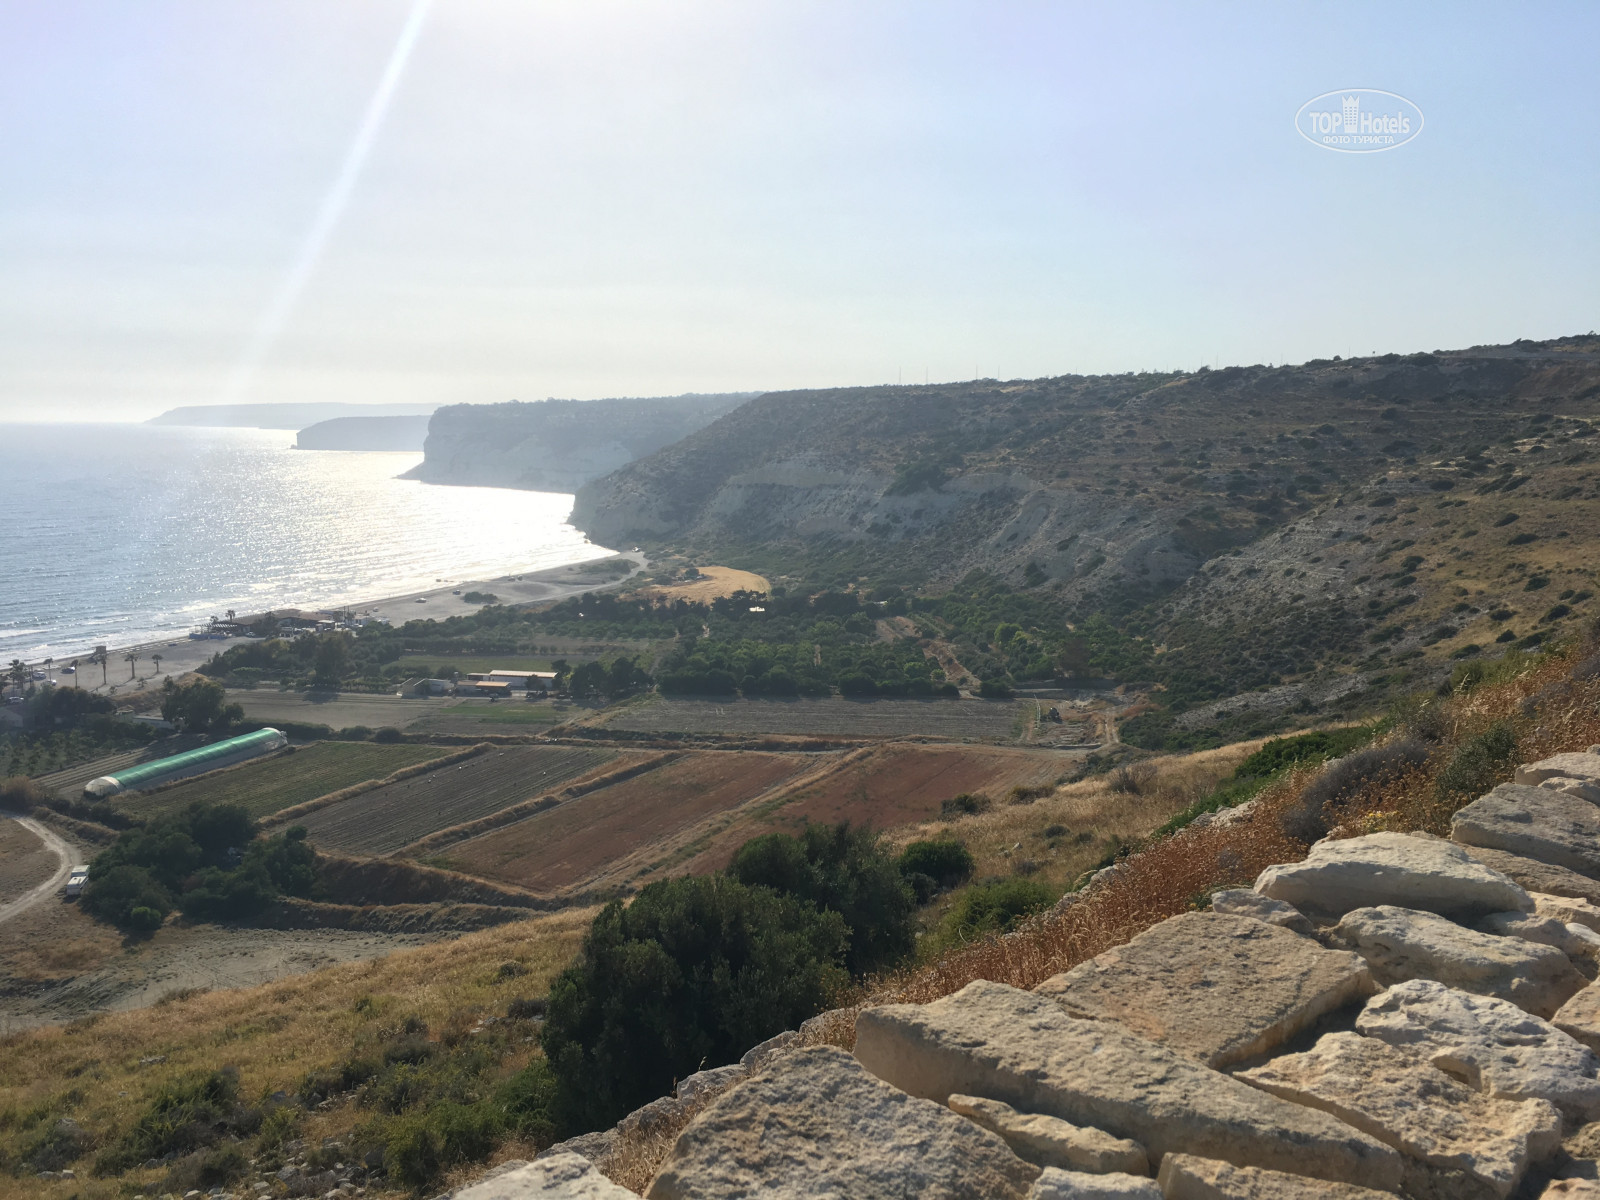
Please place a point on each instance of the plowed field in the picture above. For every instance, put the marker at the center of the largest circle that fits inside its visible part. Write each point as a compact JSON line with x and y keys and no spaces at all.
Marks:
{"x":891,"y":785}
{"x":384,"y":820}
{"x":959,"y":720}
{"x":269,"y":784}
{"x":575,"y":842}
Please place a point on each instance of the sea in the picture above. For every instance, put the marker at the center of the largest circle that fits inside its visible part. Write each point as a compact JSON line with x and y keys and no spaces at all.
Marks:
{"x":120,"y":534}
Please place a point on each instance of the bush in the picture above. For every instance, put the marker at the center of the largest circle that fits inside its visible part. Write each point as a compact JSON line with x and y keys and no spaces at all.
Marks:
{"x":842,"y":870}
{"x":20,"y":794}
{"x":1133,"y":779}
{"x":965,"y":804}
{"x":934,"y":866}
{"x":995,"y":689}
{"x":185,"y":1115}
{"x":692,"y":974}
{"x":993,"y":908}
{"x":1479,"y":763}
{"x":1307,"y":818}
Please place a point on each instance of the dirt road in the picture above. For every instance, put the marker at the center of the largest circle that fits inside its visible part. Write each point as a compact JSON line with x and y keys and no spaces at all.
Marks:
{"x":64,"y":856}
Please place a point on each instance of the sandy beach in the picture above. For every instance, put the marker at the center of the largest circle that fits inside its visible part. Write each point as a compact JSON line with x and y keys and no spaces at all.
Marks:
{"x":180,"y":655}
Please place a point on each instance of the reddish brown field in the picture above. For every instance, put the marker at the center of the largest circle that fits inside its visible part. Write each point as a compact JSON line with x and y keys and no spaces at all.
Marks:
{"x":889,"y":786}
{"x":608,"y":830}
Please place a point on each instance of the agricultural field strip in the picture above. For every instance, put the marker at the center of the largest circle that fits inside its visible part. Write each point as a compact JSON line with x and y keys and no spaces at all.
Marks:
{"x":957,"y":720}
{"x":264,"y":787}
{"x":462,"y":853}
{"x":69,"y":782}
{"x":387,"y":819}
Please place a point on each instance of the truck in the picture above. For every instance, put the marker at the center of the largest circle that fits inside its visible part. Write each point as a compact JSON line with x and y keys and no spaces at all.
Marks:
{"x":76,"y":879}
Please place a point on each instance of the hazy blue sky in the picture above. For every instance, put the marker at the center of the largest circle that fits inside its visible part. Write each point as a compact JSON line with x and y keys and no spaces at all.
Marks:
{"x":591,"y":199}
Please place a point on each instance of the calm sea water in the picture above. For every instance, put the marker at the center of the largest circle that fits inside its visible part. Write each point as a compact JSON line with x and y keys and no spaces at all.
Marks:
{"x":118,"y":534}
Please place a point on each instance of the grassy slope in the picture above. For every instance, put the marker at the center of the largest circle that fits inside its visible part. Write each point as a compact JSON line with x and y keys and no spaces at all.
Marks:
{"x":287,"y":779}
{"x":274,"y":1034}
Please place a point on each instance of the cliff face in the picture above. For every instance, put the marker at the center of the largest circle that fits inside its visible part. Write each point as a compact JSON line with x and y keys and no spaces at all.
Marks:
{"x":1095,"y":482}
{"x":557,"y":445}
{"x":364,"y":433}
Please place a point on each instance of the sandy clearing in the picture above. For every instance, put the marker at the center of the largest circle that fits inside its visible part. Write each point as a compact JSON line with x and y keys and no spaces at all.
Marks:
{"x":51,"y":842}
{"x":714,"y":582}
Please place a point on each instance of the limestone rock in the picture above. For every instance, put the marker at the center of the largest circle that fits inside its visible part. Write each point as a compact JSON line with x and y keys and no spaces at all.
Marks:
{"x":1583,"y":767}
{"x":1052,"y":1142}
{"x":819,"y":1125}
{"x":1535,"y":822}
{"x":596,"y":1147}
{"x":1056,"y":1184}
{"x":1571,"y":1189}
{"x":709,"y":1083}
{"x":1537,"y":876}
{"x":1188,"y":1177}
{"x":1397,"y":1097}
{"x":1575,"y":941}
{"x":1412,"y":870}
{"x":1569,"y":910}
{"x":760,"y":1057}
{"x":1215,"y":987}
{"x":1024,"y":1049}
{"x":1490,"y":1044}
{"x":1580,"y":1017}
{"x":1243,"y":902}
{"x":1402,"y":943}
{"x":555,"y":1177}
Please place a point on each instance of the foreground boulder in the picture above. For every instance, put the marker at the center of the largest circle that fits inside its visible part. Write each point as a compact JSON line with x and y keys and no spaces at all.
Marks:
{"x":1491,"y":1045}
{"x":1052,"y":1142}
{"x":1246,"y":902}
{"x":1410,"y":870}
{"x":1397,"y":1097}
{"x":1537,"y":876}
{"x":1580,"y":1017}
{"x":1058,"y":1184}
{"x":1215,"y":987}
{"x":1580,"y":767}
{"x":1402,"y":943}
{"x":1569,"y":910}
{"x":563,"y":1176}
{"x":1022,"y":1048}
{"x":819,"y":1125}
{"x":1188,"y":1177}
{"x":1536,"y":822}
{"x":1575,"y":941}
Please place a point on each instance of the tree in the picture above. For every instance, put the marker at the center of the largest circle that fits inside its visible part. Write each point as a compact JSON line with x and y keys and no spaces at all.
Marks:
{"x":132,"y":660}
{"x":691,"y":974}
{"x":101,"y":657}
{"x":156,"y":658}
{"x":18,"y":674}
{"x":198,"y":706}
{"x":332,"y":660}
{"x":845,"y":871}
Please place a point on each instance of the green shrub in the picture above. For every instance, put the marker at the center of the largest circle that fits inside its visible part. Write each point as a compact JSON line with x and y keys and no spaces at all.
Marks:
{"x":996,"y":907}
{"x":1479,"y":763}
{"x":185,"y":1115}
{"x":843,"y":870}
{"x":965,"y":804}
{"x":691,"y":974}
{"x":934,"y":866}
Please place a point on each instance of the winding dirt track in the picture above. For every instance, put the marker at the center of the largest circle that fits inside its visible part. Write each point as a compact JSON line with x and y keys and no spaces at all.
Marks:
{"x":64,"y":856}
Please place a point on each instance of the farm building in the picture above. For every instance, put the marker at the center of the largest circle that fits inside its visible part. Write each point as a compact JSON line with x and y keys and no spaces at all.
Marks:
{"x":526,"y":680}
{"x":190,"y":762}
{"x":483,"y":687}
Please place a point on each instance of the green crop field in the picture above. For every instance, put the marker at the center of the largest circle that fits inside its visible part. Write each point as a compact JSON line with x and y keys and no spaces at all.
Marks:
{"x":287,"y":779}
{"x":505,"y":716}
{"x":467,"y":664}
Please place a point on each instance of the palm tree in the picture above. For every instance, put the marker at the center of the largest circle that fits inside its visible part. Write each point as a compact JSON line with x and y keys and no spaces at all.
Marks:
{"x":230,"y":614}
{"x":156,"y":658}
{"x":100,"y":656}
{"x":48,"y":663}
{"x":131,"y":660}
{"x":76,"y":682}
{"x":18,"y":673}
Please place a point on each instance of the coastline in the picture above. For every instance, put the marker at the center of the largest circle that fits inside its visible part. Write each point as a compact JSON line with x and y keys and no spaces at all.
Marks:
{"x":182,"y":655}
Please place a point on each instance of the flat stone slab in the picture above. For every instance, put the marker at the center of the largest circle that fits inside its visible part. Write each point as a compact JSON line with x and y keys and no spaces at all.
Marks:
{"x":1057,"y":1184}
{"x":1188,"y":1177}
{"x":1489,"y":1044}
{"x":1571,"y":1189}
{"x":1535,"y":822}
{"x":1218,"y":988}
{"x":1579,"y":1017}
{"x":1051,"y":1142}
{"x":1582,"y":766}
{"x":1402,"y":943}
{"x":1568,"y":909}
{"x":1403,"y":1101}
{"x":564,"y":1176}
{"x":1537,"y":876}
{"x":1245,"y":902}
{"x":817,"y":1124}
{"x":1024,"y":1049}
{"x":1406,"y":869}
{"x":1575,"y":941}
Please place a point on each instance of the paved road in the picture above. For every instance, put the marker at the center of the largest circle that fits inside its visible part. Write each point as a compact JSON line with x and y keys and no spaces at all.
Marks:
{"x":64,"y":855}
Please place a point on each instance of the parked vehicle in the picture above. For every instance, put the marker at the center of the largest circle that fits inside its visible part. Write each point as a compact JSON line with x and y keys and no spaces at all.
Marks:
{"x":76,"y":879}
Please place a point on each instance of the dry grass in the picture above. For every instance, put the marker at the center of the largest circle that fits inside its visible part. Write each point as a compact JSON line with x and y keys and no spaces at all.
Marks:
{"x":714,"y":582}
{"x":274,"y":1034}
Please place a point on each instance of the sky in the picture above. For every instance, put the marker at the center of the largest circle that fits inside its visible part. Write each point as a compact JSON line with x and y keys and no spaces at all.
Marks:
{"x":264,"y":201}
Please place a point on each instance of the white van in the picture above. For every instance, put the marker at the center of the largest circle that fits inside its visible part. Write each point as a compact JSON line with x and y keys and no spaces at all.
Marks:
{"x":76,"y":879}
